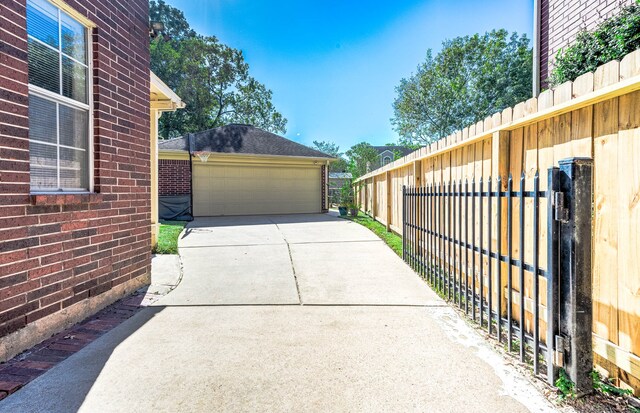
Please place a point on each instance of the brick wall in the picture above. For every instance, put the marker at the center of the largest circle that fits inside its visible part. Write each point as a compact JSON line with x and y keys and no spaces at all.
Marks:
{"x":174,"y":177}
{"x":561,"y":20}
{"x":57,"y":250}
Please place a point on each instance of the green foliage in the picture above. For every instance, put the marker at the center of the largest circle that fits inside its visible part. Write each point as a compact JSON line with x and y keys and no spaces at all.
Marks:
{"x":611,"y":40}
{"x":472,"y":77}
{"x":392,"y":240}
{"x":175,"y":24}
{"x":346,"y":194}
{"x":566,"y":387}
{"x":211,"y":78}
{"x":168,"y":237}
{"x":362,"y":158}
{"x":515,"y":346}
{"x":605,"y":387}
{"x":332,"y":149}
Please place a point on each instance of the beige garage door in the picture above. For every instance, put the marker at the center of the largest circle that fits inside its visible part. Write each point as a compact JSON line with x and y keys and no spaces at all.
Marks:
{"x":253,"y":190}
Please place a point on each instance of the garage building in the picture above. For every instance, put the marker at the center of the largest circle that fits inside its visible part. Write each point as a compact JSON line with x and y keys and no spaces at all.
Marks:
{"x":239,"y":170}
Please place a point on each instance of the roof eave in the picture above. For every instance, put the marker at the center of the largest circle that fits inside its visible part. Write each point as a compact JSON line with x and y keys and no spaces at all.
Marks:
{"x":165,"y":99}
{"x":256,"y":155}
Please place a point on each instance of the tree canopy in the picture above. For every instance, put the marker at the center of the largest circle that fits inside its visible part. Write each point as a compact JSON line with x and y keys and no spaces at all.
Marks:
{"x":472,"y":77}
{"x":362,"y":158}
{"x":211,"y":78}
{"x":330,"y":148}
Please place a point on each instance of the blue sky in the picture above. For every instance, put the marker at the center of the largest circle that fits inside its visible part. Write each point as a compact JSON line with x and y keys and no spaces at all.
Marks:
{"x":333,"y":64}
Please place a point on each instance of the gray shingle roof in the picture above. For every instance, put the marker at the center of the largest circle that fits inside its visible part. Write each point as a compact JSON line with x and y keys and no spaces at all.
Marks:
{"x":241,"y":139}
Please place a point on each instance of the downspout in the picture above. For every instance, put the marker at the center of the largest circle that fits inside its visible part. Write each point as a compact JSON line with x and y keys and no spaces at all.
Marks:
{"x":191,"y":150}
{"x":536,"y":47}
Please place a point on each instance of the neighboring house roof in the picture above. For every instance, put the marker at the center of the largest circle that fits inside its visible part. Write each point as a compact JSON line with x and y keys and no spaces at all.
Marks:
{"x":242,"y":140}
{"x":393,"y":148}
{"x":340,"y":175}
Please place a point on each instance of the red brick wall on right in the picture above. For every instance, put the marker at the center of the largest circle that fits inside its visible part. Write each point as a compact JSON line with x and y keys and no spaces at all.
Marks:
{"x":174,"y":177}
{"x":562,"y":20}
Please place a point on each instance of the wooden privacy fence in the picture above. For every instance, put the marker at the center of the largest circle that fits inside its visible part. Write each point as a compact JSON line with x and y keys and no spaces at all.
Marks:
{"x":597,"y":116}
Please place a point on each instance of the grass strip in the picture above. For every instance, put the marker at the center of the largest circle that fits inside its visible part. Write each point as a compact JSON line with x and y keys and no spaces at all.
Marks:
{"x":168,"y":237}
{"x":393,"y":240}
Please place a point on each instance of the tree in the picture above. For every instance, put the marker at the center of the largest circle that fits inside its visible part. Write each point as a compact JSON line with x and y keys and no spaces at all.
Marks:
{"x":327,"y":147}
{"x":330,"y":148}
{"x":211,"y":78}
{"x":362,"y":157}
{"x":176,"y":25}
{"x":472,"y":77}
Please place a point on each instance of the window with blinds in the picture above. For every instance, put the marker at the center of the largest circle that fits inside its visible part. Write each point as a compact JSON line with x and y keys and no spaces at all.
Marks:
{"x":59,"y":112}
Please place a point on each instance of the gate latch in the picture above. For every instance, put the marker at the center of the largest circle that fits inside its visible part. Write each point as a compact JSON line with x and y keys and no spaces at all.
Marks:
{"x":560,"y":211}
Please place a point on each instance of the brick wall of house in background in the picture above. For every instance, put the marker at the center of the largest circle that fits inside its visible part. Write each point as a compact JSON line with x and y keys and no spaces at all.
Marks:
{"x":174,"y":177}
{"x":561,"y":20}
{"x":57,"y":250}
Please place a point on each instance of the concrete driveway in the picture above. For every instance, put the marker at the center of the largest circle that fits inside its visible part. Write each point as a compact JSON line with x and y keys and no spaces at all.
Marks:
{"x":305,"y":313}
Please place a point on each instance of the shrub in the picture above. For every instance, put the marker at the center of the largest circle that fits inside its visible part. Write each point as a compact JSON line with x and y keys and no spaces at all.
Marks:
{"x":611,"y":40}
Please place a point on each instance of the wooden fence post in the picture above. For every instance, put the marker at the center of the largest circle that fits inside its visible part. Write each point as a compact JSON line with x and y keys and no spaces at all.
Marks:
{"x":389,"y":199}
{"x":374,"y":197}
{"x":500,"y":155}
{"x":417,"y":182}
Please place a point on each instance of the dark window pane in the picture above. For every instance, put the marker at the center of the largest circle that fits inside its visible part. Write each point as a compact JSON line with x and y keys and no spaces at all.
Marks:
{"x":73,"y":169}
{"x":74,"y":39}
{"x":44,"y":66}
{"x":74,"y":127}
{"x":74,"y":80}
{"x":42,"y":22}
{"x":42,"y":119}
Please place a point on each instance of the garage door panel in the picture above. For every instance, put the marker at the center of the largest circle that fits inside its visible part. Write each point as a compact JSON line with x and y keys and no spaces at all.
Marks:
{"x":250,"y":189}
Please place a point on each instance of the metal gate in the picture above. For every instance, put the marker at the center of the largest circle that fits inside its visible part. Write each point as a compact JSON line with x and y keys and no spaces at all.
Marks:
{"x":459,"y":237}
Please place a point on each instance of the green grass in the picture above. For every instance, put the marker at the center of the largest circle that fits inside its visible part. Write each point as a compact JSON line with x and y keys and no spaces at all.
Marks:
{"x":391,"y":239}
{"x":168,"y":237}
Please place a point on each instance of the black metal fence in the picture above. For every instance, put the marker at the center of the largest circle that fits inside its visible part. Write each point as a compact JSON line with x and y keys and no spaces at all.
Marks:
{"x":447,"y":241}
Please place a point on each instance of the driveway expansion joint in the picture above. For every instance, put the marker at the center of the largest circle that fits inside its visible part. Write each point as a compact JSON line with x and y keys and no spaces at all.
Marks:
{"x":293,"y":268}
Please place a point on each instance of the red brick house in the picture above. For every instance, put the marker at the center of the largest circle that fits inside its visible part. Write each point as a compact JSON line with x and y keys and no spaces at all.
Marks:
{"x":558,"y":22}
{"x":74,"y":162}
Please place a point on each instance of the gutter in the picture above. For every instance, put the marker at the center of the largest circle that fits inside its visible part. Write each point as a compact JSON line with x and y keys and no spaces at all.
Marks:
{"x":248,"y":155}
{"x":536,"y":48}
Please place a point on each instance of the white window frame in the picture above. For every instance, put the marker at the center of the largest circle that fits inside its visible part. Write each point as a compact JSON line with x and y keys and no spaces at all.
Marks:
{"x":60,"y":99}
{"x":385,"y":161}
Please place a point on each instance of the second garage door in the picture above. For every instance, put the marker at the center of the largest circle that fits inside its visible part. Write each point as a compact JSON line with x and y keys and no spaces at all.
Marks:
{"x":254,"y":190}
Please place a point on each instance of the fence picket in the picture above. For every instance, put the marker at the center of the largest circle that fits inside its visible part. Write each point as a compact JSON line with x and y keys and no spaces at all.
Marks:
{"x":489,"y":272}
{"x":521,"y":268}
{"x":481,"y":278}
{"x":499,"y":264}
